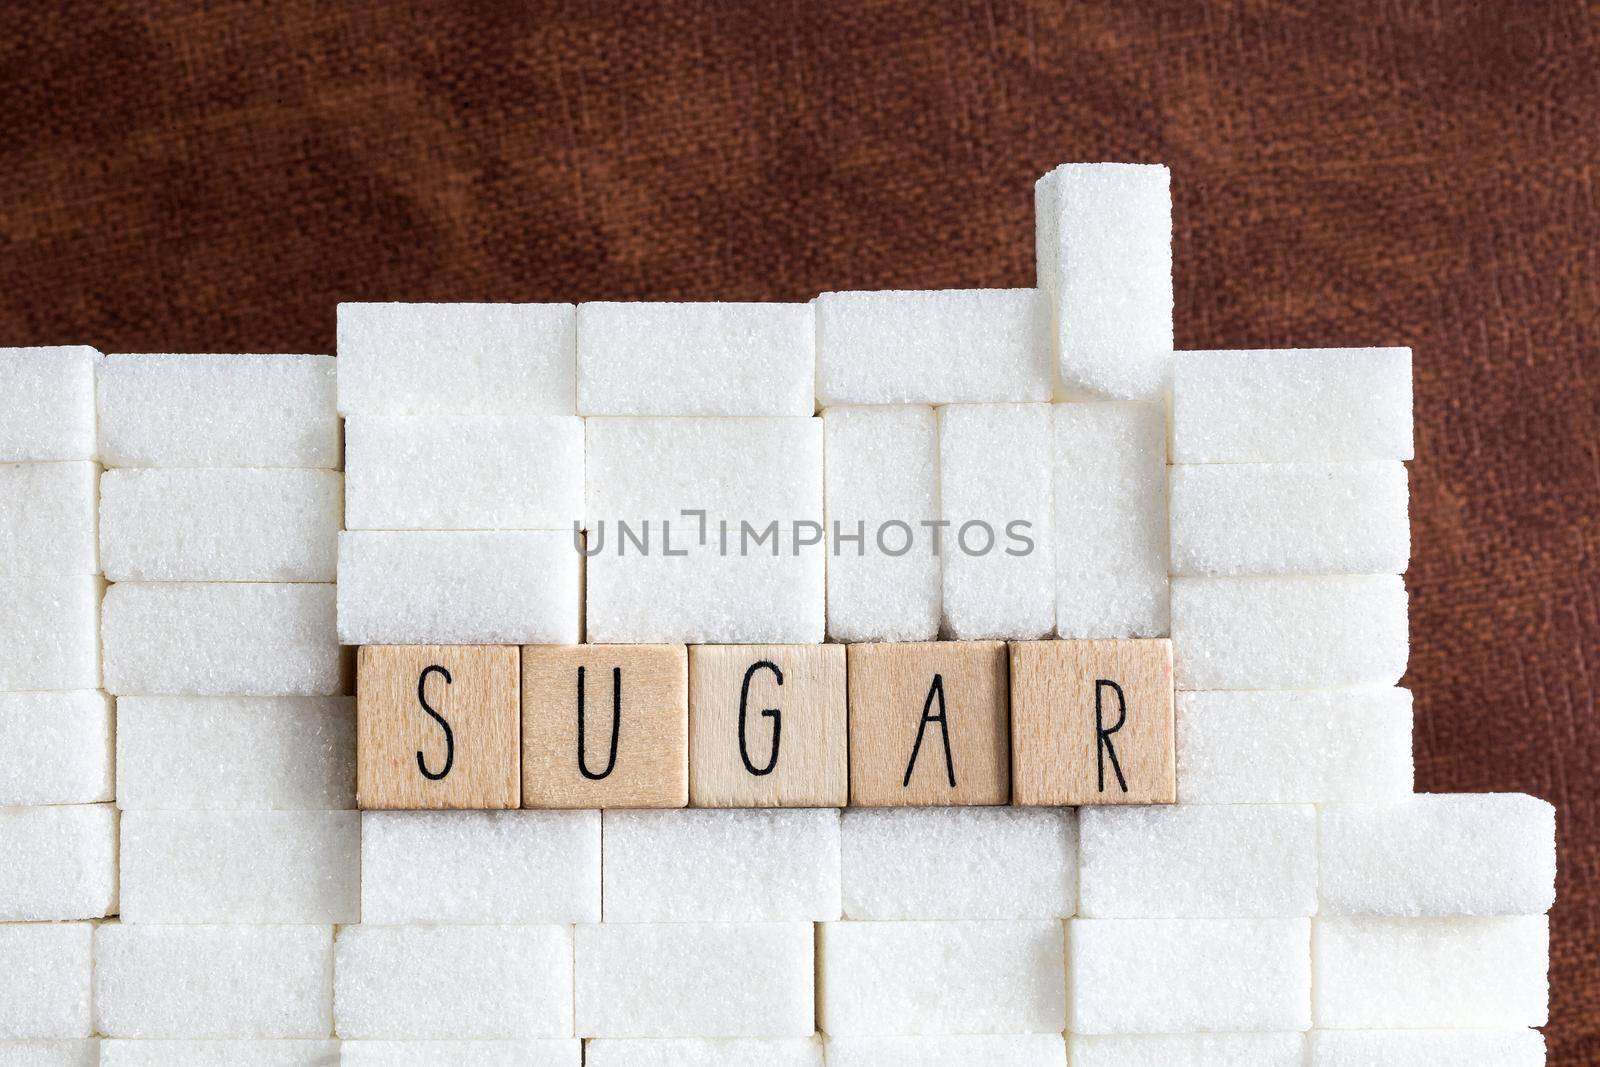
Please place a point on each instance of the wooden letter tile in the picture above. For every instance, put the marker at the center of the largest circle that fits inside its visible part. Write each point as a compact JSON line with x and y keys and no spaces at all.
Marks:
{"x":605,"y":726}
{"x":767,"y":726}
{"x":928,"y":724}
{"x":437,"y":727}
{"x":1091,"y":722}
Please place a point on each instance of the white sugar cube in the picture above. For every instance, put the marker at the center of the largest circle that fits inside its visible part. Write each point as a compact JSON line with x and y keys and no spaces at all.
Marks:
{"x":1110,"y":463}
{"x":1290,"y":518}
{"x":694,"y":980}
{"x":1197,"y":860}
{"x":1385,"y":973}
{"x":1440,"y":854}
{"x":1427,"y":1048}
{"x":45,"y":1053}
{"x":1289,"y":633}
{"x":57,"y":748}
{"x":1294,"y":747}
{"x":1291,"y":405}
{"x":228,"y":525}
{"x":1189,"y":1050}
{"x":956,"y":1050}
{"x":1104,"y":242}
{"x":999,"y":548}
{"x":241,"y":867}
{"x":222,"y":639}
{"x":695,"y":359}
{"x":45,"y":971}
{"x":1143,"y":976}
{"x":218,"y":411}
{"x":704,"y":1052}
{"x":708,"y":865}
{"x":537,"y":1052}
{"x":47,"y":519}
{"x":456,"y":588}
{"x":58,"y":863}
{"x":480,"y":867}
{"x":47,"y":403}
{"x":50,"y":633}
{"x":879,"y":978}
{"x":213,"y":981}
{"x":882,"y":485}
{"x":457,"y":359}
{"x":301,"y":1053}
{"x":953,"y":346}
{"x":424,"y":982}
{"x":960,"y":863}
{"x":249,"y":753}
{"x":744,"y":565}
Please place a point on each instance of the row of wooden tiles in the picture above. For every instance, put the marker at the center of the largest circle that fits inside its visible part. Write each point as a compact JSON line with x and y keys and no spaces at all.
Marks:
{"x":728,"y":726}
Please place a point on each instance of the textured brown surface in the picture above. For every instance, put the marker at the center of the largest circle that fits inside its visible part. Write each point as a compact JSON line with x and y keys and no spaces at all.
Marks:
{"x":216,"y":176}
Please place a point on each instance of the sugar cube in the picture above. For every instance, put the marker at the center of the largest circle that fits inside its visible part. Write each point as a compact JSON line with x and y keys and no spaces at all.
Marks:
{"x":954,"y":1050}
{"x":721,"y":865}
{"x":47,"y":410}
{"x":222,"y":639}
{"x":57,"y":748}
{"x":694,"y":980}
{"x":999,"y":546}
{"x":1294,"y":747}
{"x":1189,"y":1050}
{"x":303,"y":1053}
{"x":213,"y":981}
{"x":457,"y":359}
{"x":45,"y":970}
{"x":477,"y":982}
{"x":50,"y":633}
{"x":1291,"y":405}
{"x":1440,"y":854}
{"x":47,"y":519}
{"x":241,"y":867}
{"x":1427,"y":1048}
{"x":82,"y":1053}
{"x":1197,"y":860}
{"x":536,"y":1052}
{"x":480,"y":867}
{"x":1110,"y":463}
{"x":1289,"y":633}
{"x":456,"y":588}
{"x":953,"y":346}
{"x":1387,"y":973}
{"x":58,"y":863}
{"x":218,"y":411}
{"x":1144,"y":976}
{"x":729,"y":512}
{"x":705,"y":1052}
{"x":881,"y":483}
{"x":878,"y":978}
{"x":960,"y":863}
{"x":695,"y":359}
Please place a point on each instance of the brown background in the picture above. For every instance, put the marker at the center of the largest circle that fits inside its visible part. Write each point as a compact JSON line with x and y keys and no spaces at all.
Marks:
{"x":214,"y":177}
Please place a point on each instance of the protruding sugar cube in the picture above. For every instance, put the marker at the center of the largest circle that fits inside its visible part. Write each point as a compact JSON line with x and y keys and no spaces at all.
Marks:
{"x":1294,"y":747}
{"x":1440,"y":854}
{"x":499,"y":588}
{"x":50,"y":633}
{"x":463,"y":472}
{"x":694,"y":980}
{"x":213,"y":981}
{"x":1427,"y":1048}
{"x":57,"y":748}
{"x":1142,"y":976}
{"x":48,"y":1053}
{"x":882,"y":488}
{"x":960,"y":863}
{"x":955,"y":1050}
{"x":218,"y":411}
{"x":58,"y":863}
{"x":253,"y":525}
{"x":1289,"y":633}
{"x":469,"y":867}
{"x":999,"y":547}
{"x":47,"y":403}
{"x":478,"y":982}
{"x":1385,"y":973}
{"x":1197,"y":860}
{"x":222,"y":639}
{"x":695,"y":359}
{"x":47,"y":519}
{"x":721,"y":537}
{"x":704,"y":1052}
{"x":457,"y":359}
{"x":1189,"y":1050}
{"x":733,"y":865}
{"x":533,"y":1052}
{"x":45,"y":971}
{"x":211,"y":1053}
{"x":241,"y":867}
{"x":1291,"y":405}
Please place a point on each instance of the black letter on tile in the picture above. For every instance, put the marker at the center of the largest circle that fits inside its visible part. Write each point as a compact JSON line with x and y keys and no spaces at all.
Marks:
{"x":616,"y":726}
{"x":1102,"y":736}
{"x":770,"y":713}
{"x":449,"y":735}
{"x":935,"y":690}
